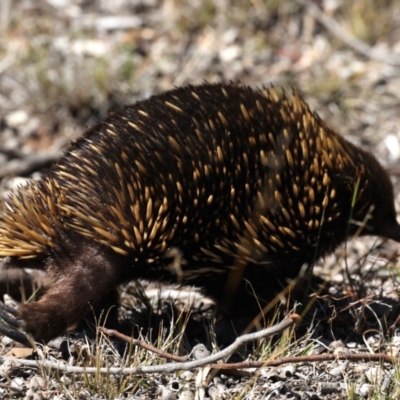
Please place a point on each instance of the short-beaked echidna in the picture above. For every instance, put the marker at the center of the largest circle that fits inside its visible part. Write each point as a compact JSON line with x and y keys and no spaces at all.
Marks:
{"x":185,"y":187}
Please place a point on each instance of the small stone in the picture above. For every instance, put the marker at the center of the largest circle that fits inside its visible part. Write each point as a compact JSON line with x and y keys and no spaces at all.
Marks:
{"x":65,"y":380}
{"x":166,"y":393}
{"x":8,"y":369}
{"x":200,"y":351}
{"x":289,"y":370}
{"x":17,"y":383}
{"x":365,"y":389}
{"x":186,"y":395}
{"x":217,"y":392}
{"x":277,"y":385}
{"x":375,"y":375}
{"x":36,"y":382}
{"x":31,"y":395}
{"x":16,"y":118}
{"x":186,"y":375}
{"x":336,"y":346}
{"x":337,"y":371}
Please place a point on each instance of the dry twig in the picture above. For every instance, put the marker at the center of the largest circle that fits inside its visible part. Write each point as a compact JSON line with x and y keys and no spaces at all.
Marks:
{"x":142,"y":344}
{"x":379,"y":357}
{"x":165,"y":368}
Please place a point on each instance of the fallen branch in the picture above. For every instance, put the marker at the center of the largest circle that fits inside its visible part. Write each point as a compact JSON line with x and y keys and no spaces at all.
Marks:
{"x":165,"y":368}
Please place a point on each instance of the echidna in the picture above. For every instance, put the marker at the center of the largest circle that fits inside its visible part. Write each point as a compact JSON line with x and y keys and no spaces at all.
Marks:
{"x":186,"y":187}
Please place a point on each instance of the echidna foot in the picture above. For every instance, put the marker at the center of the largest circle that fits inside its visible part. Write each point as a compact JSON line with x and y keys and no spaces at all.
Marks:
{"x":10,"y":325}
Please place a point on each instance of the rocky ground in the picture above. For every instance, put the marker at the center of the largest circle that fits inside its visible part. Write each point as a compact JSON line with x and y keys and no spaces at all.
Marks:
{"x":65,"y":63}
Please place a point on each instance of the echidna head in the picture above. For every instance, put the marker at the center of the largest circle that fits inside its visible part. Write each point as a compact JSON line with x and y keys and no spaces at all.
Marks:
{"x":383,"y":216}
{"x":384,"y":221}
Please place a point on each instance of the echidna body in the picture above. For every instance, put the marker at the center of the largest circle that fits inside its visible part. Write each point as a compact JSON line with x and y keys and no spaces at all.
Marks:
{"x":186,"y":187}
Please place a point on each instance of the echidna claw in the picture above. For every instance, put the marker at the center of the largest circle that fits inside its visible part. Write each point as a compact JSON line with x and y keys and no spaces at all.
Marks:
{"x":10,"y":326}
{"x":5,"y":312}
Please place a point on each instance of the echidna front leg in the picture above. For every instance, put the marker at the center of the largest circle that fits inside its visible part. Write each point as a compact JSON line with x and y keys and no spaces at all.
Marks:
{"x":81,"y":274}
{"x":59,"y":308}
{"x":9,"y":324}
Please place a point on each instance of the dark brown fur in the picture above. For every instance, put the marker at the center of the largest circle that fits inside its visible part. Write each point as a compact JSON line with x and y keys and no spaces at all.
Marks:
{"x":187,"y":187}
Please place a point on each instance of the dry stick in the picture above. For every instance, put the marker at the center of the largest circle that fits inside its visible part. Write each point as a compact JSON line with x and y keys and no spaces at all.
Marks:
{"x":165,"y":368}
{"x":142,"y":344}
{"x":345,"y":37}
{"x":379,"y":357}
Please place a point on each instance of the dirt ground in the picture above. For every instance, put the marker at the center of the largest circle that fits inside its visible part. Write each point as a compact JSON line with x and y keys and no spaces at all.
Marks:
{"x":64,"y":64}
